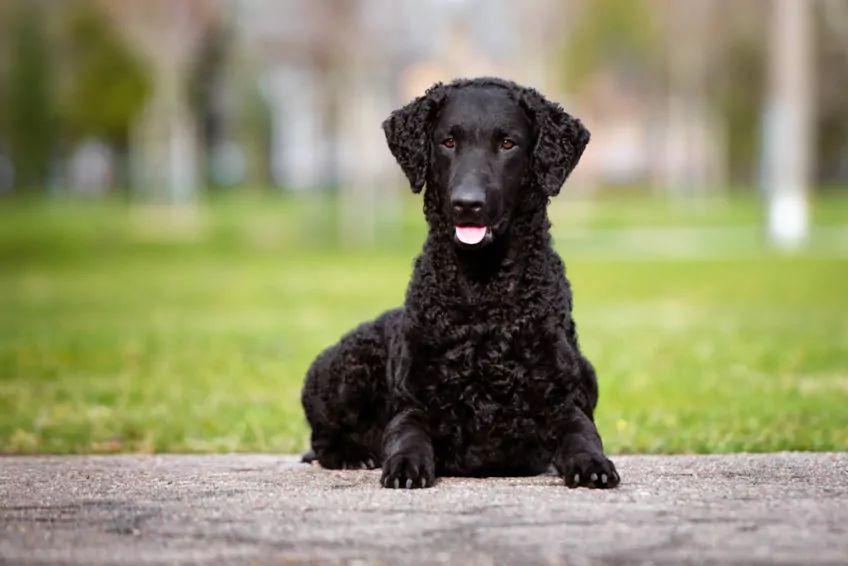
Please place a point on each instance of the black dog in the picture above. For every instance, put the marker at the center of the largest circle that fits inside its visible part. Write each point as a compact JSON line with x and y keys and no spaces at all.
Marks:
{"x":479,"y":373}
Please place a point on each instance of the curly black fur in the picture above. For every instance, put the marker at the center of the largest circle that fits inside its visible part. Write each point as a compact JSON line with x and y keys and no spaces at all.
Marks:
{"x":479,"y":373}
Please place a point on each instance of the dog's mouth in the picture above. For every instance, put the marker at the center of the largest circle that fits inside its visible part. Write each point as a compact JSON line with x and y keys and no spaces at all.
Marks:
{"x":473,"y":235}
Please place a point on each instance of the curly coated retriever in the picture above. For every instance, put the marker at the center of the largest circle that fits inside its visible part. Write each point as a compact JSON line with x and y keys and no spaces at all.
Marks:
{"x":479,"y":373}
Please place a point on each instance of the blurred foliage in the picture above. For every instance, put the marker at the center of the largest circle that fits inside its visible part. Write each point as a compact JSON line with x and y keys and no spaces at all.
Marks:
{"x":634,"y":42}
{"x":227,"y":103}
{"x":832,"y":108}
{"x":30,"y":112}
{"x":620,"y":35}
{"x":739,"y":91}
{"x":206,"y":80}
{"x":67,"y":75}
{"x":107,"y":83}
{"x":256,"y":134}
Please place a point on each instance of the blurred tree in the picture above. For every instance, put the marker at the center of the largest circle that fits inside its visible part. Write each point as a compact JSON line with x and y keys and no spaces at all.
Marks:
{"x":612,"y":33}
{"x":740,"y":99}
{"x":4,"y":65}
{"x":164,"y":152}
{"x":832,"y":111}
{"x":205,"y":85}
{"x":29,"y":109}
{"x":788,"y":123}
{"x":256,"y":135}
{"x":738,"y":87}
{"x":107,"y":84}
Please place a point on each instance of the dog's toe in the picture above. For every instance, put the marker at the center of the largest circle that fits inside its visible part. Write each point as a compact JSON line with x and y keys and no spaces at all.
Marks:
{"x":408,"y":471}
{"x":589,"y":470}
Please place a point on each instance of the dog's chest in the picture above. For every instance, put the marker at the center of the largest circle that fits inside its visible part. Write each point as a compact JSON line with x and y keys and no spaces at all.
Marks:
{"x":492,"y":384}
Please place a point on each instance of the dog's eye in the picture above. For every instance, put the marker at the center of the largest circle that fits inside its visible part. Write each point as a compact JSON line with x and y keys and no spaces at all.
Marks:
{"x":449,"y":143}
{"x":507,"y":144}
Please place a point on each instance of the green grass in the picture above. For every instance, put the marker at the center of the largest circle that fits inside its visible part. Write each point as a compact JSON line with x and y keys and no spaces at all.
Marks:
{"x":141,"y":329}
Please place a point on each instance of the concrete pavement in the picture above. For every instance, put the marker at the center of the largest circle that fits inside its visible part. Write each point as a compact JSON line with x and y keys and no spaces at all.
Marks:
{"x":787,"y":507}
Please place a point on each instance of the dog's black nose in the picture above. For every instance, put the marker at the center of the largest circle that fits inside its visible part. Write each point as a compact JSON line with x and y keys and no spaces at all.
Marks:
{"x":468,"y":199}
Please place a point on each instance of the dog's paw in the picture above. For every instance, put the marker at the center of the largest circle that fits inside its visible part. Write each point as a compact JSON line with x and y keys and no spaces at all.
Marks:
{"x":408,"y":471}
{"x":350,"y":458}
{"x":585,"y":469}
{"x":366,"y":464}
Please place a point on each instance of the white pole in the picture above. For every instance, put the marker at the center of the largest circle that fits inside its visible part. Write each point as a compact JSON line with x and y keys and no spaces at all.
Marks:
{"x":788,"y":123}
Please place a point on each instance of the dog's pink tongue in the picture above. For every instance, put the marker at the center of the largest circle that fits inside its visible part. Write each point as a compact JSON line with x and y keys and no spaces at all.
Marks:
{"x":470,"y":234}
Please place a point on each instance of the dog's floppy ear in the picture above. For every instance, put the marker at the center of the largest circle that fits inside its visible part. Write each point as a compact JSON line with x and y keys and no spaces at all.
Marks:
{"x":407,"y":132}
{"x":560,"y":141}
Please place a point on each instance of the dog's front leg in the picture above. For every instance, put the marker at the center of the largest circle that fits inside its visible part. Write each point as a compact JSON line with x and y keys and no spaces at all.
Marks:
{"x":408,"y":452}
{"x":579,"y":458}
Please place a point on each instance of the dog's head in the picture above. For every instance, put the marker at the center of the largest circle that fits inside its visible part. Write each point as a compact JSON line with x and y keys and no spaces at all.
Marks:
{"x":483,"y":146}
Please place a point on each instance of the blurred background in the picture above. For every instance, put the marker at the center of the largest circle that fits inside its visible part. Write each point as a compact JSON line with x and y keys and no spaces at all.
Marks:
{"x":196,"y":198}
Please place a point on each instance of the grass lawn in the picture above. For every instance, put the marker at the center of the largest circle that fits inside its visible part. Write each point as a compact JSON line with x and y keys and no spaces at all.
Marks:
{"x":140,"y":329}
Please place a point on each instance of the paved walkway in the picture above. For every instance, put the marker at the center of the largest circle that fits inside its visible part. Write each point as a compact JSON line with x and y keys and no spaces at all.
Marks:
{"x":788,"y":507}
